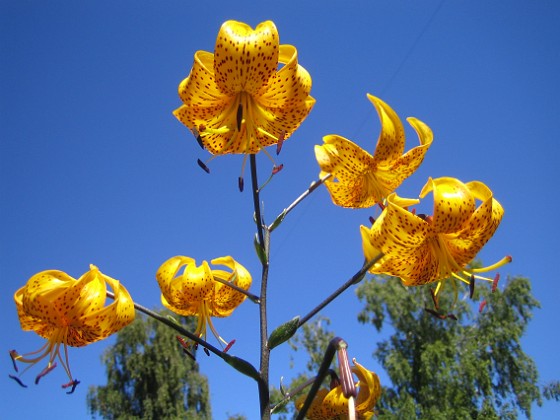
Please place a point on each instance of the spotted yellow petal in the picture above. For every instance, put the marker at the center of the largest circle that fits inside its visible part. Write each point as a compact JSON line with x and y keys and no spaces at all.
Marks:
{"x":53,"y":301}
{"x":353,"y":183}
{"x":453,"y":203}
{"x":401,"y":236}
{"x":167,"y":272}
{"x":315,"y":411}
{"x":226,"y":299}
{"x":182,"y":293}
{"x":245,"y":59}
{"x":369,"y":389}
{"x":289,"y":86}
{"x":481,"y":226}
{"x":390,"y":144}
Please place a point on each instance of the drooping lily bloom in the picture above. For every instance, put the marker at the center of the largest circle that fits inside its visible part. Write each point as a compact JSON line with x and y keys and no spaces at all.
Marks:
{"x":201,"y":291}
{"x":360,"y":180}
{"x":69,"y":312}
{"x":237,"y":100}
{"x":424,"y":249}
{"x":332,"y":404}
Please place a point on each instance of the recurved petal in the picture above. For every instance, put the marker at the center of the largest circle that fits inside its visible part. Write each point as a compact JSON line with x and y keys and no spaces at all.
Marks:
{"x":370,"y":388}
{"x":29,"y":322}
{"x":225,"y":299}
{"x":482,"y":225}
{"x":390,"y":144}
{"x":454,"y":204}
{"x":195,"y":285}
{"x":199,"y":89}
{"x":289,"y":86}
{"x":204,"y":104}
{"x":168,"y":270}
{"x":43,"y":297}
{"x":95,"y":323}
{"x":400,"y":169}
{"x":245,"y":59}
{"x":352,"y":183}
{"x":404,"y":240}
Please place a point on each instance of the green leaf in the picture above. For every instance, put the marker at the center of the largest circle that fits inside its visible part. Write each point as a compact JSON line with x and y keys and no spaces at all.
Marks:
{"x":283,"y":333}
{"x":277,"y":221}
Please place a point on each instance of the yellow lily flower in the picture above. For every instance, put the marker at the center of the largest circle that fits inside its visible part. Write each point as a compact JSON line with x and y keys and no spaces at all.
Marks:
{"x":236,"y":100}
{"x":201,"y":291}
{"x":424,"y":249}
{"x":360,"y":180}
{"x":69,"y":312}
{"x":332,"y":404}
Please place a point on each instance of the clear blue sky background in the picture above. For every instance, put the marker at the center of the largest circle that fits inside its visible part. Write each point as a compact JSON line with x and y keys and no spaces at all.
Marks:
{"x":95,"y":169}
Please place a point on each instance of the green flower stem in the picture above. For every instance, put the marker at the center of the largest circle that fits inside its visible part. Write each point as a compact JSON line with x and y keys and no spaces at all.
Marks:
{"x":332,"y":348}
{"x":356,"y":278}
{"x":263,"y":235}
{"x":314,"y":185}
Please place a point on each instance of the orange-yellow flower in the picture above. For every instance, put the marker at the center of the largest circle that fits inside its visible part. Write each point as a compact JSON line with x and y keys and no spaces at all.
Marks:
{"x":201,"y":291}
{"x":332,"y":404}
{"x":360,"y":180}
{"x":69,"y":312}
{"x":237,"y":100}
{"x":424,"y":249}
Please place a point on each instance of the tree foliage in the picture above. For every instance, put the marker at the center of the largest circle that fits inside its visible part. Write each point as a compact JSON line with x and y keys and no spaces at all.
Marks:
{"x":440,"y":367}
{"x":149,"y":376}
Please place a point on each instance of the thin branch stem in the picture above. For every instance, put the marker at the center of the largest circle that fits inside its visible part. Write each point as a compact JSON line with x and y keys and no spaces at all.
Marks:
{"x":293,"y":392}
{"x":251,"y":296}
{"x":321,"y":374}
{"x":314,"y":185}
{"x":264,"y":243}
{"x":356,"y":278}
{"x":175,"y":326}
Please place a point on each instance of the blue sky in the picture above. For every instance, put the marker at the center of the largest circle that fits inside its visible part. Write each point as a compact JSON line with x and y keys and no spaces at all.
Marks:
{"x":95,"y":169}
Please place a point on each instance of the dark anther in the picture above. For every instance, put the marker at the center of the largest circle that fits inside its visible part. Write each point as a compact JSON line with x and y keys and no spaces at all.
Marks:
{"x":371,"y":220}
{"x":452,"y":316}
{"x":471,"y":287}
{"x":203,"y":166}
{"x":239,"y":116}
{"x":231,"y":343}
{"x":13,"y":355}
{"x":481,"y":307}
{"x":206,"y":351}
{"x":44,"y":372}
{"x":15,"y":378}
{"x":495,"y":282}
{"x":240,"y":183}
{"x":72,"y":384}
{"x":276,"y":169}
{"x":198,"y":138}
{"x":280,"y":142}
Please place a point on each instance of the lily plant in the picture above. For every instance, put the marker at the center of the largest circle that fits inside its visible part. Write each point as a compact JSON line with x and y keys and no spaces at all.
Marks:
{"x":249,"y":94}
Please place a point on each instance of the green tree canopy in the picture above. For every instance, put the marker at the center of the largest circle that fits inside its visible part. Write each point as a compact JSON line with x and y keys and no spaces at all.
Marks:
{"x":441,"y":368}
{"x":150,"y":377}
